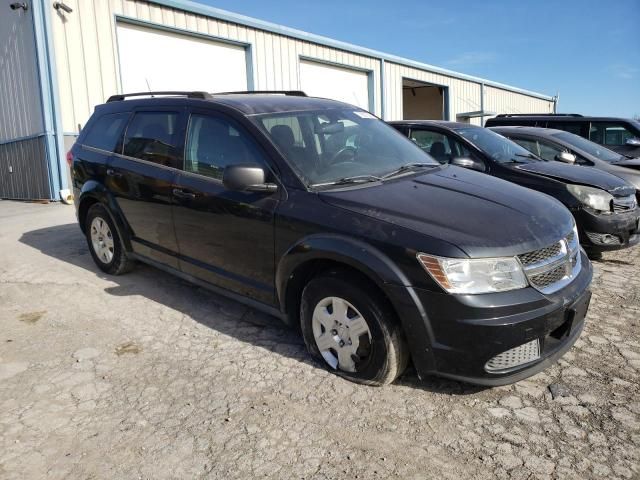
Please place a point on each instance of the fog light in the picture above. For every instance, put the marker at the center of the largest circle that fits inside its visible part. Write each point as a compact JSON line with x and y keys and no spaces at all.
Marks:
{"x":604,"y":238}
{"x":521,"y":355}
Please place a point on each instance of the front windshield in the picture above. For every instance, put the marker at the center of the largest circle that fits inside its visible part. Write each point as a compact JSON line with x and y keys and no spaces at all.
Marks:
{"x":496,"y":146}
{"x":589,"y":147}
{"x":331,"y":145}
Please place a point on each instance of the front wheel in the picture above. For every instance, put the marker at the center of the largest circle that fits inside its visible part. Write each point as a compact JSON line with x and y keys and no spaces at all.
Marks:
{"x":355,"y":334}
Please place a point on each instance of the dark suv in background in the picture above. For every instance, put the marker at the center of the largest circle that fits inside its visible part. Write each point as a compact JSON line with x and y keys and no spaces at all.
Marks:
{"x":318,"y":212}
{"x":619,"y":134}
{"x":603,"y":205}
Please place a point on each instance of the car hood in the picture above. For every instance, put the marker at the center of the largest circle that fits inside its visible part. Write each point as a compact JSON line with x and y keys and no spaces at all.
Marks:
{"x":481,"y":215}
{"x":578,"y":174}
{"x":628,"y":163}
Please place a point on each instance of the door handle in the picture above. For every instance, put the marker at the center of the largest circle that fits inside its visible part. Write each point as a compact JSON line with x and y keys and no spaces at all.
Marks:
{"x":113,"y":173}
{"x":178,"y":192}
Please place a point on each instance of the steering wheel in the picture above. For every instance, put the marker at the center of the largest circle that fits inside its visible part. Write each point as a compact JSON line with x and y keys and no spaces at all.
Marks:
{"x":343,"y":151}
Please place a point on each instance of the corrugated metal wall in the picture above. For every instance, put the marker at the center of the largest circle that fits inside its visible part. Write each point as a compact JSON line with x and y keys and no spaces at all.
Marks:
{"x":85,"y":44}
{"x":503,"y":101}
{"x":24,"y":170}
{"x":21,"y":111}
{"x":87,"y":63}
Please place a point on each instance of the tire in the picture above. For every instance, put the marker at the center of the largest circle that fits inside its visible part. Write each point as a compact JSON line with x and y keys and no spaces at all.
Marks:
{"x":105,"y":243}
{"x":381,"y":355}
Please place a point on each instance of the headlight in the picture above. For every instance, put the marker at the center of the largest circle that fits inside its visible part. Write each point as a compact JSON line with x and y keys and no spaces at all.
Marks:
{"x":592,"y":197}
{"x":469,"y":276}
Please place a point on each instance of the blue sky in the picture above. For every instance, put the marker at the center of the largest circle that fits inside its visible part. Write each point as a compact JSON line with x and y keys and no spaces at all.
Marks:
{"x":587,"y":50}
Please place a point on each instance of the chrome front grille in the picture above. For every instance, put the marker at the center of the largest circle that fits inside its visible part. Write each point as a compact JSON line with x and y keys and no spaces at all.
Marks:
{"x":541,"y":255}
{"x":552,"y":268}
{"x":624,"y":204}
{"x":521,"y":355}
{"x":543,"y":280}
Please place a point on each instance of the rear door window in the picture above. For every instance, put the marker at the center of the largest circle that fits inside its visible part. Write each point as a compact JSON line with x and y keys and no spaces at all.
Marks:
{"x":578,"y":128}
{"x":153,"y":137}
{"x":614,"y":134}
{"x":106,"y":131}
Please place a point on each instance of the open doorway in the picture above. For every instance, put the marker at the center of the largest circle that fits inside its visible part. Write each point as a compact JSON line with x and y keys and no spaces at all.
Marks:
{"x":423,"y":101}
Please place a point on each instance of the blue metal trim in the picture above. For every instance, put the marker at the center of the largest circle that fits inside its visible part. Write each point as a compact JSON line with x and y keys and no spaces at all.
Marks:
{"x":48,"y":95}
{"x":346,"y":66}
{"x":25,"y":138}
{"x":371,"y":87}
{"x":248,"y":46}
{"x":447,"y":111}
{"x":207,"y":11}
{"x":370,"y":77}
{"x":182,"y":31}
{"x":482,"y":103}
{"x":383,"y":98}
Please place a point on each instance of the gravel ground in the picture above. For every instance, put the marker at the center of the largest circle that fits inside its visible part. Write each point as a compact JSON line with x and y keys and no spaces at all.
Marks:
{"x":146,"y":376}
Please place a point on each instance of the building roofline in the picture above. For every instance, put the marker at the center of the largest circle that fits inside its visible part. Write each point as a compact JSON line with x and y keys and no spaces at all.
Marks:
{"x":208,"y":11}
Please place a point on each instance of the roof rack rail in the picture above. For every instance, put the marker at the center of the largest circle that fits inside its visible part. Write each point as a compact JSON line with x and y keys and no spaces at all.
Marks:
{"x":200,"y":95}
{"x":289,"y":93}
{"x":539,"y":115}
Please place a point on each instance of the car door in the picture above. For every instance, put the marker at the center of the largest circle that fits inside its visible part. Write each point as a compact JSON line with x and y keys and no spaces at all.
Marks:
{"x":143,"y":176}
{"x":224,"y":237}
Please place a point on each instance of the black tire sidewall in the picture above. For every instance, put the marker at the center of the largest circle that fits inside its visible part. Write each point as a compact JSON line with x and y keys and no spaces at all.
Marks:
{"x":373,"y":311}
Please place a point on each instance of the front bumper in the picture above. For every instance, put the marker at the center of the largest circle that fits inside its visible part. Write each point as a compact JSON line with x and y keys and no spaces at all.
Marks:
{"x":608,"y":232}
{"x":464,"y":332}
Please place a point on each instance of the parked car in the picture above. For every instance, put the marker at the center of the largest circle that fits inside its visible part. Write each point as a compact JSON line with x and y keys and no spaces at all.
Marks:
{"x":551,"y":144}
{"x":603,"y":205}
{"x":318,"y":212}
{"x":621,"y":135}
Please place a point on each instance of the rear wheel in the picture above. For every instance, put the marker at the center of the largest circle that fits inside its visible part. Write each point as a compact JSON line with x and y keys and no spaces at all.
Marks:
{"x":104,"y":242}
{"x":354,"y":333}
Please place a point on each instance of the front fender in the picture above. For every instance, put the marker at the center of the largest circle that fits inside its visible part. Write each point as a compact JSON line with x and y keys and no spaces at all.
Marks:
{"x":379,"y":268}
{"x":355,"y":253}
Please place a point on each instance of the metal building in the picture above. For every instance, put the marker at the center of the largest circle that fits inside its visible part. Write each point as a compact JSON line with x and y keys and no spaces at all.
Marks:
{"x":59,"y":59}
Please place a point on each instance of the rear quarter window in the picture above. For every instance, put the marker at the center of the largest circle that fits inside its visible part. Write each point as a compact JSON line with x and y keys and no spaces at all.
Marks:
{"x":106,"y":131}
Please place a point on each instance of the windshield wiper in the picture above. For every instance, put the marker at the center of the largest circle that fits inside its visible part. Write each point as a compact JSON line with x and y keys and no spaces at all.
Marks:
{"x":527,"y":155}
{"x":350,"y":180}
{"x":515,"y":160}
{"x":408,"y":167}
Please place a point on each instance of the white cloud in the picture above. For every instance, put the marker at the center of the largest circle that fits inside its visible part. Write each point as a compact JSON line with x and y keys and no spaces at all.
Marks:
{"x":622,"y":71}
{"x":472,"y":58}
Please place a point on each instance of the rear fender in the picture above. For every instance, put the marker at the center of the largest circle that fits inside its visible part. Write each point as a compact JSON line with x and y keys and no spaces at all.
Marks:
{"x":93,"y":191}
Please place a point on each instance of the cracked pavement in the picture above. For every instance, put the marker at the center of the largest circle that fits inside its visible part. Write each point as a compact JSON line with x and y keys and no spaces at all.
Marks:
{"x":147,"y":376}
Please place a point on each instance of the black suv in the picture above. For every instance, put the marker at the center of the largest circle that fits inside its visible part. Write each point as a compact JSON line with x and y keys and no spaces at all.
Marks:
{"x":619,"y":134}
{"x":603,"y":204}
{"x":318,"y":212}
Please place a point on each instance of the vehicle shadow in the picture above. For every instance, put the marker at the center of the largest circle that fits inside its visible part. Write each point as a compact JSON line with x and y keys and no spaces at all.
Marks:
{"x":66,"y":243}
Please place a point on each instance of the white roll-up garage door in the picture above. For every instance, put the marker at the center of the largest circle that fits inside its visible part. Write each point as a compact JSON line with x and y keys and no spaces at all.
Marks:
{"x":337,"y":83}
{"x":152,"y":59}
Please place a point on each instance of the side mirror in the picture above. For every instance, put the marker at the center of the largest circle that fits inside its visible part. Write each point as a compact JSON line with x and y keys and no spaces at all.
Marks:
{"x":566,"y":157}
{"x":246,"y":178}
{"x":632,"y":142}
{"x":466,"y":162}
